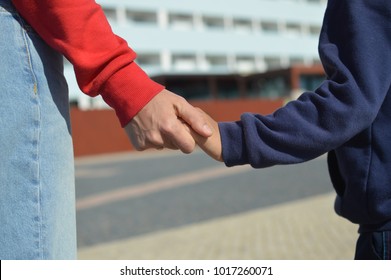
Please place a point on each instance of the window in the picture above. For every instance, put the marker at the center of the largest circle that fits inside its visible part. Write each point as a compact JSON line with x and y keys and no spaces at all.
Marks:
{"x":141,"y":17}
{"x":273,"y":87}
{"x":296,"y":60}
{"x":213,"y":22}
{"x":245,"y":63}
{"x":273,"y":62}
{"x":111,"y":14}
{"x":242,"y":25}
{"x":189,"y":88}
{"x":315,"y":30}
{"x":145,"y":59}
{"x":227,"y":88}
{"x":216,"y":61}
{"x":181,"y":21}
{"x":310,"y":82}
{"x":271,"y":27}
{"x":293,"y":28}
{"x":184,"y":62}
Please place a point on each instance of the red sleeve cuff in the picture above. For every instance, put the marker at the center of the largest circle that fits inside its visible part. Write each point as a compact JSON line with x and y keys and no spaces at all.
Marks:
{"x":128,"y":90}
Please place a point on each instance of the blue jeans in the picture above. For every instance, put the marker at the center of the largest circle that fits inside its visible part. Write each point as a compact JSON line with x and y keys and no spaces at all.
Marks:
{"x":37,"y":193}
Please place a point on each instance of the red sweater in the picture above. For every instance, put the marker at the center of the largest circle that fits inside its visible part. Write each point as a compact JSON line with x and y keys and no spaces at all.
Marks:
{"x":103,"y":62}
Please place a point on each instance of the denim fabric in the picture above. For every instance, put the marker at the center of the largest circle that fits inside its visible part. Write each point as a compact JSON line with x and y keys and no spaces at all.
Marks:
{"x":374,"y":246}
{"x":37,"y":193}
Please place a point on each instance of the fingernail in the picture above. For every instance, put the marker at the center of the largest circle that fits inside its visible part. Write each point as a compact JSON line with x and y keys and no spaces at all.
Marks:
{"x":207,"y":129}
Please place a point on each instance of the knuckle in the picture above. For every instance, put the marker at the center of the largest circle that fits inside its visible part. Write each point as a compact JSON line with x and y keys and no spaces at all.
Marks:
{"x":154,"y":139}
{"x":169,"y":127}
{"x":181,"y":99}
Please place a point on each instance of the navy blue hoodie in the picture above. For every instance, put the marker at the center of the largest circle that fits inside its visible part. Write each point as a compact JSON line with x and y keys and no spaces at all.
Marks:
{"x":348,"y":116}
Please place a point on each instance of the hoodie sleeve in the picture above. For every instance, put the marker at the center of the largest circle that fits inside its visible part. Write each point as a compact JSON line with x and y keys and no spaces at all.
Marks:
{"x":103,"y":62}
{"x":354,"y":47}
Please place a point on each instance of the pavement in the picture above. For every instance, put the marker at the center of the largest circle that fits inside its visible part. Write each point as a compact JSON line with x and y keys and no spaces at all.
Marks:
{"x":165,"y":205}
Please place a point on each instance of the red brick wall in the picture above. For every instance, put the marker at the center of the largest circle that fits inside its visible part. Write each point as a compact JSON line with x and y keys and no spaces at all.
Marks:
{"x":98,"y":131}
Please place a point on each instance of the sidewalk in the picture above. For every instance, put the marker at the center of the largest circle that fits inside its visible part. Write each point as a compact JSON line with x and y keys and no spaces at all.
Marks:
{"x":303,"y":229}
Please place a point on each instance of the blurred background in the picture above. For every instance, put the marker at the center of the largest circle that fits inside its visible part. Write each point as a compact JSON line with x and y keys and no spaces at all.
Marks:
{"x":226,"y":57}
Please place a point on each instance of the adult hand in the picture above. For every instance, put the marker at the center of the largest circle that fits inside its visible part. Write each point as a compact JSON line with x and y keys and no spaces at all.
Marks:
{"x":166,"y":122}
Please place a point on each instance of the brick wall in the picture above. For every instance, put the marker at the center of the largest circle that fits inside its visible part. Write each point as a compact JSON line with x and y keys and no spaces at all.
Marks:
{"x":98,"y":131}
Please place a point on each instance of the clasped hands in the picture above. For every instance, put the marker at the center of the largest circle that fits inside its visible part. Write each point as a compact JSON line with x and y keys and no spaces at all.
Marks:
{"x":169,"y":121}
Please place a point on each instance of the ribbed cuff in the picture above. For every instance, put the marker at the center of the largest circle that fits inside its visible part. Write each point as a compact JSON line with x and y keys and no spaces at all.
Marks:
{"x":128,"y":91}
{"x":233,"y":142}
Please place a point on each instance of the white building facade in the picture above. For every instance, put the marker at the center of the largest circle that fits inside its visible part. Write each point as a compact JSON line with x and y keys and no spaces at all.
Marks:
{"x":212,"y":36}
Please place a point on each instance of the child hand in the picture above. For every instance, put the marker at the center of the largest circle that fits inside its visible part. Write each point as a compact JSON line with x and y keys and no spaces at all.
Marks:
{"x":210,"y":145}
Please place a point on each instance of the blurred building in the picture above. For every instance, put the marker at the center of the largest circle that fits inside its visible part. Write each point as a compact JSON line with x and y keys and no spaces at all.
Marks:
{"x":215,"y":38}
